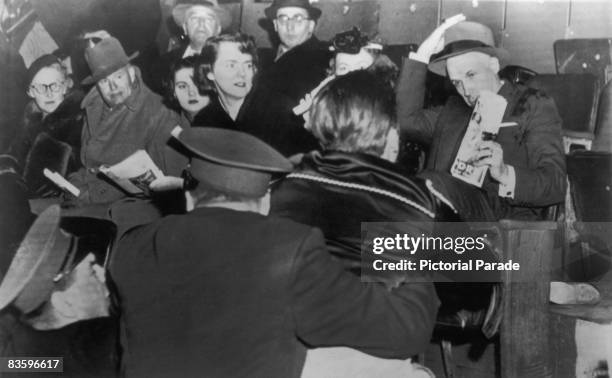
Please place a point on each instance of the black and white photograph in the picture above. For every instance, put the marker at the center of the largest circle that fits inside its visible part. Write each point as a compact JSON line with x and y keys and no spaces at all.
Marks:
{"x":306,"y":188}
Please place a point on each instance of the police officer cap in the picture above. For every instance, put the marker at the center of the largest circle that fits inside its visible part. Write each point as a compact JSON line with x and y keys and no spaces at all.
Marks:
{"x":232,"y":162}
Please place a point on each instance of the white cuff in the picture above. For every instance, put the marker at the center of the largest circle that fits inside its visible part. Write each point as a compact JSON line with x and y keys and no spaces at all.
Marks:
{"x":506,"y":189}
{"x":414,"y":56}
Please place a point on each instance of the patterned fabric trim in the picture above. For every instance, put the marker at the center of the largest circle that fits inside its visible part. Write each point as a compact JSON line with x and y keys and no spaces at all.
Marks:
{"x":363,"y":188}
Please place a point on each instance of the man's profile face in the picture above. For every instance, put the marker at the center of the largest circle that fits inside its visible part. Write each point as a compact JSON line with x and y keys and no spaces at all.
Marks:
{"x":200,"y":24}
{"x":117,"y":87}
{"x":472,"y":73}
{"x":293,"y":25}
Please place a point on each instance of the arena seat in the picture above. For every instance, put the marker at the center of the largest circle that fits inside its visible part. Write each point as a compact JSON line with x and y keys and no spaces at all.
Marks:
{"x":576,"y":96}
{"x":603,"y":126}
{"x":516,"y":319}
{"x":583,"y":55}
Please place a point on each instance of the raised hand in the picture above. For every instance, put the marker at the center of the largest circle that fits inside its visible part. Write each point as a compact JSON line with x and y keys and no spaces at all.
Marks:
{"x":435,"y":42}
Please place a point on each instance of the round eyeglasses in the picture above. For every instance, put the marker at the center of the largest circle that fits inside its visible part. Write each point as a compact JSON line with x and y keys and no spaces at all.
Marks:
{"x":297,"y":19}
{"x":42,"y":89}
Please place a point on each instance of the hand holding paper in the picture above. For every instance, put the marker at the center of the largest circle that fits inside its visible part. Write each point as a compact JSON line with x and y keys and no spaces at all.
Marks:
{"x":135,"y":173}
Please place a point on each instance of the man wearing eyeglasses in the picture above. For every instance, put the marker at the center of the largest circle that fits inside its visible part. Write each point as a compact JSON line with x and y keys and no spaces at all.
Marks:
{"x":199,"y":20}
{"x":301,"y":60}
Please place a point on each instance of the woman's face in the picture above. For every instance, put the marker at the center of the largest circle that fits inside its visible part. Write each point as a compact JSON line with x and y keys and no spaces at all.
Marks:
{"x":233,"y":71}
{"x":48,"y":88}
{"x":346,"y":63}
{"x":186,"y":92}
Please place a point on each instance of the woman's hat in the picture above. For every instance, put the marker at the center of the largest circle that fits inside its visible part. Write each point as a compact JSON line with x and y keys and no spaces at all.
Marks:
{"x":46,"y":60}
{"x":462,"y":38}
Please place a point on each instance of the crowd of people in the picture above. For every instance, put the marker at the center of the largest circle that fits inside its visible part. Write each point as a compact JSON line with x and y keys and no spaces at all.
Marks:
{"x":245,"y":257}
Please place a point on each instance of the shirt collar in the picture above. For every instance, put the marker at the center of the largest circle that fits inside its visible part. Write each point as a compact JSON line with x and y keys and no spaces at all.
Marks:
{"x":189,"y":51}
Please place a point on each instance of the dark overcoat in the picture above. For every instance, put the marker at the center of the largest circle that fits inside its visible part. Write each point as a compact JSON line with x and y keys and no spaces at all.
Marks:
{"x":222,"y":293}
{"x":299,"y":70}
{"x":266,"y":115}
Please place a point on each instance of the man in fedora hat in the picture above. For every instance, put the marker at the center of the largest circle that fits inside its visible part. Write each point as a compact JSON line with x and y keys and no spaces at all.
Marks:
{"x":122,"y":116}
{"x":302,"y":60}
{"x":199,"y":20}
{"x":53,"y":297}
{"x":226,"y":291}
{"x":526,"y":163}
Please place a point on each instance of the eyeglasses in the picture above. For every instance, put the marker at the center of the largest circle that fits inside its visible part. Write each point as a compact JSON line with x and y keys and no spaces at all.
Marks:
{"x":206,"y":20}
{"x":189,"y":182}
{"x":297,"y":19}
{"x":42,"y":89}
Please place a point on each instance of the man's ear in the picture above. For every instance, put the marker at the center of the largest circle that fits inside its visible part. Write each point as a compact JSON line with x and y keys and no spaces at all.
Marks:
{"x":311,"y":26}
{"x":184,"y":27}
{"x":30,"y":93}
{"x":392,"y":146}
{"x":61,"y":303}
{"x":494,"y":64}
{"x":210,"y":76}
{"x":132,"y":73}
{"x":189,"y":201}
{"x":275,"y":23}
{"x":264,"y":204}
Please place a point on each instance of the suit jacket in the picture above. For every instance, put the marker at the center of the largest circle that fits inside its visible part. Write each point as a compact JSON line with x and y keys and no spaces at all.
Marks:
{"x":534,"y":147}
{"x":299,"y":70}
{"x":198,"y":301}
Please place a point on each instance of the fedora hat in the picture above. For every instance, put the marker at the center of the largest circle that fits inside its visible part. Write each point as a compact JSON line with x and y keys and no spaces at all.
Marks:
{"x":52,"y":244}
{"x":232,"y":162}
{"x":462,"y":38}
{"x":182,"y":6}
{"x":104,"y":58}
{"x":313,"y":12}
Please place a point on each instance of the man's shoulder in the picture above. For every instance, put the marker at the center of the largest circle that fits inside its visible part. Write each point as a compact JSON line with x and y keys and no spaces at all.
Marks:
{"x":529,"y":100}
{"x":92,"y":98}
{"x":313,"y":49}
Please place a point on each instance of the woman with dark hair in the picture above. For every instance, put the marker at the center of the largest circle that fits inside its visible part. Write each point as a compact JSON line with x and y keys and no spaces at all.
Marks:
{"x":182,"y":94}
{"x":228,"y":63}
{"x":50,"y":136}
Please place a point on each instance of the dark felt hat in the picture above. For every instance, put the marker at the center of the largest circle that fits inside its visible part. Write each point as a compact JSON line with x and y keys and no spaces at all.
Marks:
{"x":462,"y":38}
{"x":104,"y":58}
{"x":313,"y":12}
{"x":51,"y":244}
{"x":232,"y":162}
{"x":40,"y":63}
{"x":182,"y":6}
